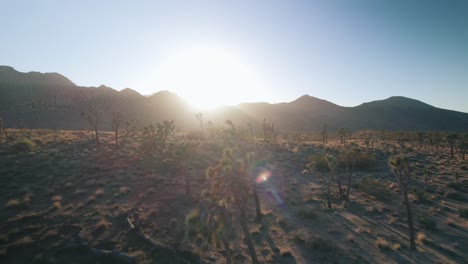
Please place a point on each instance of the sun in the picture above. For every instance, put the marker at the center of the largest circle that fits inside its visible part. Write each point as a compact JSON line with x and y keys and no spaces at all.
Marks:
{"x":209,"y":77}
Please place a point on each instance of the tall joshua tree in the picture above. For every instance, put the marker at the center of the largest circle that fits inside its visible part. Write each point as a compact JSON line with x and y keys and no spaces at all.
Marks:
{"x":463,"y":145}
{"x":93,"y":116}
{"x":2,"y":128}
{"x":323,"y":133}
{"x":230,"y":188}
{"x":332,"y":166}
{"x":117,"y":118}
{"x":400,"y":168}
{"x":451,"y":139}
{"x":199,"y":116}
{"x":349,"y":155}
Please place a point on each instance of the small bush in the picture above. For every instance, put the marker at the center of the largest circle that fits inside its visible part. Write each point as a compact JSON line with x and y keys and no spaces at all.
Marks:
{"x":365,"y":161}
{"x":421,"y":195}
{"x":428,"y":223}
{"x":24,"y":145}
{"x":320,"y":160}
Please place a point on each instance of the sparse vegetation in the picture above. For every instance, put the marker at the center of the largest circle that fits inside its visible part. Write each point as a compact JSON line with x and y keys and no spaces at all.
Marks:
{"x":166,"y":184}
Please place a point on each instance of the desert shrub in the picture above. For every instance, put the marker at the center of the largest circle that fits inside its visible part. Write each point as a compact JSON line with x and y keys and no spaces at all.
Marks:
{"x":375,"y":188}
{"x":428,"y":223}
{"x":320,"y":161}
{"x":463,"y":213}
{"x":23,"y":145}
{"x":365,"y":160}
{"x":421,"y":195}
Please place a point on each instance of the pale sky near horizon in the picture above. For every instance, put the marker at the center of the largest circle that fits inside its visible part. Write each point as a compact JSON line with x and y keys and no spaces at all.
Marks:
{"x":346,"y":52}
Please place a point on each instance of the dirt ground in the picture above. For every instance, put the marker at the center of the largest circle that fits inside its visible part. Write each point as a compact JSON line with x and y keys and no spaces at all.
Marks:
{"x":68,"y":201}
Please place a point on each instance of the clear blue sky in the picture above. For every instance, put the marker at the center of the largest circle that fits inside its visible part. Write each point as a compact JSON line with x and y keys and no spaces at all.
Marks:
{"x":347,"y":52}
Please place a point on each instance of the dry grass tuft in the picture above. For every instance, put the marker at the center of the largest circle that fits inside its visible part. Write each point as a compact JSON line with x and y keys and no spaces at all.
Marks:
{"x":13,"y":203}
{"x":99,"y":192}
{"x":56,"y":205}
{"x":124,"y":190}
{"x":382,"y":243}
{"x":57,"y":198}
{"x":396,"y":246}
{"x":420,"y":238}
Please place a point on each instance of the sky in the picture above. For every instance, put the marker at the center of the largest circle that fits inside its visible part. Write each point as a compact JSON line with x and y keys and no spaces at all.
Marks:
{"x":344,"y":51}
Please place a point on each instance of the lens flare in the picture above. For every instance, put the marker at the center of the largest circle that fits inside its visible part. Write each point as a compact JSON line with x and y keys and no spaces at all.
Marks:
{"x":263,"y":176}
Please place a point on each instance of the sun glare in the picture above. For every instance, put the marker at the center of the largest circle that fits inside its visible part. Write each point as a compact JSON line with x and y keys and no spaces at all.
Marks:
{"x":208,"y":77}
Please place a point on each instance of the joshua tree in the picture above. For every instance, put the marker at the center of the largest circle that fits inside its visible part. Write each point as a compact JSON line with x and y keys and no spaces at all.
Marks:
{"x":323,"y":133}
{"x":199,"y":116}
{"x":436,"y":139}
{"x":342,"y":134}
{"x":452,"y":139}
{"x":332,"y":166}
{"x":400,"y":168}
{"x":349,"y":156}
{"x":264,"y":130}
{"x":211,"y":223}
{"x":421,"y":136}
{"x":129,"y":131}
{"x":230,"y":189}
{"x":252,"y":136}
{"x":269,"y":129}
{"x":463,"y":145}
{"x":210,"y":127}
{"x":93,"y":116}
{"x":117,"y":119}
{"x":157,"y":140}
{"x":2,"y":128}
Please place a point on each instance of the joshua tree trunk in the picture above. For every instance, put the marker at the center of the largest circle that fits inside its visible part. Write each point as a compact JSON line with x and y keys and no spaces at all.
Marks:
{"x":248,"y":238}
{"x":410,"y":220}
{"x":96,"y":135}
{"x":328,"y":190}
{"x":4,"y":132}
{"x":116,"y":136}
{"x":340,"y":189}
{"x":227,"y":250}
{"x":257,"y":203}
{"x":349,"y":185}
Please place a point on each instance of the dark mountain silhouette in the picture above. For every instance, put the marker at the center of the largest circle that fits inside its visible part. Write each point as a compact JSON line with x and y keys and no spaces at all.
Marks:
{"x":50,"y":100}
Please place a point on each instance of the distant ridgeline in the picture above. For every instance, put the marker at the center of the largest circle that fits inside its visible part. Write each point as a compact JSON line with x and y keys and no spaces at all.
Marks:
{"x":50,"y":100}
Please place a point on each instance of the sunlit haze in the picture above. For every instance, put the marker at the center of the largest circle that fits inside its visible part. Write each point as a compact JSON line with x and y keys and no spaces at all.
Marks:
{"x":226,"y":52}
{"x":209,"y":77}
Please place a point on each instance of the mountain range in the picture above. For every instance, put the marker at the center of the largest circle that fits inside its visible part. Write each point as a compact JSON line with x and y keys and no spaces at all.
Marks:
{"x":50,"y":100}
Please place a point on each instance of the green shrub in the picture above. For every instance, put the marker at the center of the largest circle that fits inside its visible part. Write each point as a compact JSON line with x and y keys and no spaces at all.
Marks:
{"x":421,"y":195}
{"x":23,"y":145}
{"x":429,"y":223}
